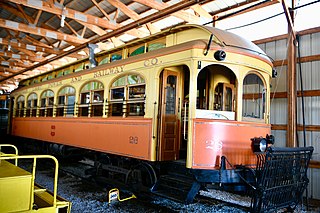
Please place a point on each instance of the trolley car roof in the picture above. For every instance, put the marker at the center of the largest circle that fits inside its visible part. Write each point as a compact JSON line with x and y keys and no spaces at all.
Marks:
{"x":35,"y":35}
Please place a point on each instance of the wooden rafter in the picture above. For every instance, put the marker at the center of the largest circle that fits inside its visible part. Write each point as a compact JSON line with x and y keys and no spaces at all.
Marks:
{"x":38,"y":58}
{"x":202,"y":12}
{"x":98,"y":30}
{"x":15,"y":64}
{"x":40,"y":31}
{"x":6,"y":69}
{"x":69,"y":13}
{"x":28,"y":49}
{"x":188,"y":17}
{"x":133,"y":15}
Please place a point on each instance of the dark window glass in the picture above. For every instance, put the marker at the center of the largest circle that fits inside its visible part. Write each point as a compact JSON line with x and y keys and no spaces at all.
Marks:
{"x":117,"y":93}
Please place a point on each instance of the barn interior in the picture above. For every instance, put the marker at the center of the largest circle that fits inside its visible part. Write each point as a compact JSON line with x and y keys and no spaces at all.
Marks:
{"x":38,"y":36}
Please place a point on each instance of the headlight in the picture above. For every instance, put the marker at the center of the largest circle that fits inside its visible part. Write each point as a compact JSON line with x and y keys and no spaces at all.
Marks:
{"x":260,"y":144}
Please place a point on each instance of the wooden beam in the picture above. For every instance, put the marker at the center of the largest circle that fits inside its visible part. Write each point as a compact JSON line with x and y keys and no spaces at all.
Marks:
{"x":306,"y":93}
{"x":23,"y":50}
{"x":24,"y":14}
{"x":15,"y":64}
{"x":285,"y":36}
{"x":35,"y":41}
{"x":76,"y":15}
{"x":13,"y":10}
{"x":38,"y":58}
{"x":188,"y":17}
{"x":314,"y":164}
{"x":6,"y":69}
{"x":69,"y":26}
{"x":101,"y":10}
{"x":311,"y":128}
{"x":40,"y":31}
{"x":133,"y":15}
{"x":69,"y":13}
{"x":15,"y":44}
{"x":291,"y":88}
{"x":202,"y":12}
{"x":100,"y":32}
{"x":35,"y":22}
{"x":290,"y":18}
{"x":224,"y":13}
{"x":303,"y":59}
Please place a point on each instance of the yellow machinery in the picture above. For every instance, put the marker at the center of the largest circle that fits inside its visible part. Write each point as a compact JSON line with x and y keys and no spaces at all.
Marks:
{"x":18,"y":190}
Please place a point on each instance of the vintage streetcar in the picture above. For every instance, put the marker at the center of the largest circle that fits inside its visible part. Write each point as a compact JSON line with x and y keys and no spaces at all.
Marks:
{"x":191,"y":97}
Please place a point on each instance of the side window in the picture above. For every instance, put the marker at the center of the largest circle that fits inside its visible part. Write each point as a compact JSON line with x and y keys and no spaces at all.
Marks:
{"x":137,"y":51}
{"x":91,"y":99}
{"x":155,"y":46}
{"x":254,"y":100}
{"x":116,"y":57}
{"x":104,"y":60}
{"x":127,"y":96}
{"x":20,"y":106}
{"x":46,"y":104}
{"x":66,"y":101}
{"x":32,"y":105}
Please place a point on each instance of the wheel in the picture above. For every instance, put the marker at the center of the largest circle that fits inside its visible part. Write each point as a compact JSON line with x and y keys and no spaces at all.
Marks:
{"x":141,"y":177}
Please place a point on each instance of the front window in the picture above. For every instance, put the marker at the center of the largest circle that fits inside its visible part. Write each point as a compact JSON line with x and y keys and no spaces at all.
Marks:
{"x":254,"y":100}
{"x":127,"y":96}
{"x":216,"y":89}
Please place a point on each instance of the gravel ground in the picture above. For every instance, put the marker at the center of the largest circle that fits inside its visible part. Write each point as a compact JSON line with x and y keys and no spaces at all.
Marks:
{"x":88,"y":198}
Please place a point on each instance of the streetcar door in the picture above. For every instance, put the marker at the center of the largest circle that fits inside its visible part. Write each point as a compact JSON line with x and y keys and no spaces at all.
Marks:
{"x":168,"y":111}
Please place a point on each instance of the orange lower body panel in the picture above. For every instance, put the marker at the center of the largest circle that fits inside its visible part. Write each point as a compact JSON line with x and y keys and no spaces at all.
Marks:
{"x":126,"y":137}
{"x":232,"y":139}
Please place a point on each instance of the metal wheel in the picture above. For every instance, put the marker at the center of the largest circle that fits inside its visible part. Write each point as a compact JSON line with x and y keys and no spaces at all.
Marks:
{"x":142,"y":176}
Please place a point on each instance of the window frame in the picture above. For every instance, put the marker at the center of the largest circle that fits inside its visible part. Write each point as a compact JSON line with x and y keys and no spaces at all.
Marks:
{"x":262,"y":92}
{"x":127,"y":102}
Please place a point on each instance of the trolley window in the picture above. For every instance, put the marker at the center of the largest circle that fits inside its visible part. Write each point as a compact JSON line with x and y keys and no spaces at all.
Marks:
{"x":127,"y":96}
{"x":32,"y":104}
{"x":156,"y":46}
{"x":104,"y":60}
{"x":138,"y":51}
{"x":254,"y":100}
{"x":116,"y":57}
{"x":46,"y":104}
{"x":20,"y":106}
{"x":216,"y":88}
{"x":66,"y":101}
{"x":91,"y":99}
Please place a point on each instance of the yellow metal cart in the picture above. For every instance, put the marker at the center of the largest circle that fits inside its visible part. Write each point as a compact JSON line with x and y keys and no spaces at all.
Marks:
{"x":18,"y":190}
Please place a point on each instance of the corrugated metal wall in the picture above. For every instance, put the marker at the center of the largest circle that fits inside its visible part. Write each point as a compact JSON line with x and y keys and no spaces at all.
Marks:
{"x":277,"y":50}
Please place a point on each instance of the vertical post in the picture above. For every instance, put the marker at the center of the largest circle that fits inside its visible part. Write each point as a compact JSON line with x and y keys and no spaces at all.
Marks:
{"x":291,"y":80}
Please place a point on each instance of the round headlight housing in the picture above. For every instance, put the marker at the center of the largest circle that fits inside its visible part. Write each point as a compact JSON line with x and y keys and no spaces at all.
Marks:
{"x":260,"y":144}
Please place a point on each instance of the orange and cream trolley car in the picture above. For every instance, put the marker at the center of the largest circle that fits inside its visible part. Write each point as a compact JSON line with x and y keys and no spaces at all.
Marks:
{"x":191,"y":94}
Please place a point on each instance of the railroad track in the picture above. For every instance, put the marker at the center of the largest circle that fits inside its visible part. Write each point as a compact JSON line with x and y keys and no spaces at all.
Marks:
{"x":149,"y":200}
